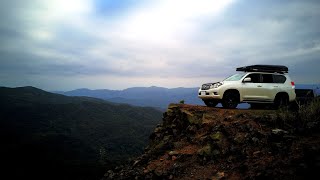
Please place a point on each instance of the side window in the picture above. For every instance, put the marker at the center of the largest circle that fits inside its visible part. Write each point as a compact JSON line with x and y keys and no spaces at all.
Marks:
{"x":279,"y":79}
{"x":267,"y":78}
{"x":255,"y":78}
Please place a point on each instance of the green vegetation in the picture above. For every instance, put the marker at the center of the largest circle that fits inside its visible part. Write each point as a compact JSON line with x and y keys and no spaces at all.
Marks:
{"x":306,"y":116}
{"x":53,"y":136}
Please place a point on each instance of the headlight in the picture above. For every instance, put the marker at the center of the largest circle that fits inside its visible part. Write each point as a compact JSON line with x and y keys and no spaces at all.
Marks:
{"x":216,"y":85}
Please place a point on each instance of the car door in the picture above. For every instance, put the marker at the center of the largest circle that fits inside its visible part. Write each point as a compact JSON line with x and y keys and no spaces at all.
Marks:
{"x":252,"y":91}
{"x":269,"y":88}
{"x":279,"y":84}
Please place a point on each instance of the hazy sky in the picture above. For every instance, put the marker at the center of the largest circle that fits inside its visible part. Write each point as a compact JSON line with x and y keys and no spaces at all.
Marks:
{"x":115,"y":44}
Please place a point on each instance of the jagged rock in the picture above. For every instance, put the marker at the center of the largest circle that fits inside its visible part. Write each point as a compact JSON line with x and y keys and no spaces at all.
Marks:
{"x":205,"y":151}
{"x":171,"y":153}
{"x":192,"y":118}
{"x":167,"y":138}
{"x":158,"y":129}
{"x":192,"y":129}
{"x":256,"y":153}
{"x":216,"y":136}
{"x":174,"y":158}
{"x":312,"y":125}
{"x":195,"y":142}
{"x":110,"y":174}
{"x":169,"y":112}
{"x":135,"y":163}
{"x":239,"y":138}
{"x":279,"y":131}
{"x":240,"y":116}
{"x":255,"y":140}
{"x":218,"y":175}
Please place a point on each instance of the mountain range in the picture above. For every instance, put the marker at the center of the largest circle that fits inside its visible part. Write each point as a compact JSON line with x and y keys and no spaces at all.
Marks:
{"x":153,"y":96}
{"x":158,"y":97}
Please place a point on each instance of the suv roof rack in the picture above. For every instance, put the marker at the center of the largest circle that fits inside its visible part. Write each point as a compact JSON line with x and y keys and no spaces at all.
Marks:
{"x":264,"y":68}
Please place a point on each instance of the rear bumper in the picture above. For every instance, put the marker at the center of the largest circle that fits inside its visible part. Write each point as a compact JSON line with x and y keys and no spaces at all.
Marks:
{"x":292,"y":96}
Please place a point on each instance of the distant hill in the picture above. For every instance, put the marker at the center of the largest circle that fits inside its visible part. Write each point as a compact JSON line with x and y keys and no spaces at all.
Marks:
{"x":52,"y":136}
{"x":153,"y":96}
{"x":142,"y":96}
{"x":315,"y":87}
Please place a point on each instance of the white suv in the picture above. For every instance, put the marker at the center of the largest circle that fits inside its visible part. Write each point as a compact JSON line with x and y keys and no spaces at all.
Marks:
{"x":256,"y":84}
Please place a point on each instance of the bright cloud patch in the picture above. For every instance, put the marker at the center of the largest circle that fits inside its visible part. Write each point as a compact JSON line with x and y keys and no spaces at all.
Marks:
{"x":169,"y":21}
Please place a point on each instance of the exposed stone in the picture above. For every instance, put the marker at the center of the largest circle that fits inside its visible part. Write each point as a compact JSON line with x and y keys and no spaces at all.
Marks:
{"x":239,"y":138}
{"x":174,"y":158}
{"x":279,"y":131}
{"x":255,"y":140}
{"x":136,"y":162}
{"x":170,"y":112}
{"x":256,"y":153}
{"x":158,"y":129}
{"x":218,"y":176}
{"x":216,"y":136}
{"x":205,"y":151}
{"x":192,"y":118}
{"x":192,"y":129}
{"x":171,"y":153}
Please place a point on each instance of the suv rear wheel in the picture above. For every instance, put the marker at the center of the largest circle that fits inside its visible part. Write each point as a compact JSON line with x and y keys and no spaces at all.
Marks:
{"x":230,"y":100}
{"x":211,"y":103}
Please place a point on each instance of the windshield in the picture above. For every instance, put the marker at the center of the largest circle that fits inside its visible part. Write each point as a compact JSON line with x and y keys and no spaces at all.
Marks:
{"x":235,"y":77}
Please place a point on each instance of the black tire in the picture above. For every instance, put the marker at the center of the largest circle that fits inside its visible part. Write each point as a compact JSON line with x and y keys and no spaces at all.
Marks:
{"x":211,"y":103}
{"x":281,"y":101}
{"x":230,"y":100}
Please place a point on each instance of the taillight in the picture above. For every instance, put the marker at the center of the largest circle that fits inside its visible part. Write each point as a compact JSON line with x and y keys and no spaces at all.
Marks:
{"x":292,"y":83}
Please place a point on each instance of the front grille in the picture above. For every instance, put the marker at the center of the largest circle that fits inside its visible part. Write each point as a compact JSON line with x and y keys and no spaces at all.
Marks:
{"x":205,"y":86}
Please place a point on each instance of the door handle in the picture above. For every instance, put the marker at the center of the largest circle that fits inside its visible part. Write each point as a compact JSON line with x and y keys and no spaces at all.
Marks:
{"x":275,"y":86}
{"x":259,"y":86}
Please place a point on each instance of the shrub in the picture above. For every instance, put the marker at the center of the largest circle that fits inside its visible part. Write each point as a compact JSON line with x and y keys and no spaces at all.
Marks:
{"x":307,"y":116}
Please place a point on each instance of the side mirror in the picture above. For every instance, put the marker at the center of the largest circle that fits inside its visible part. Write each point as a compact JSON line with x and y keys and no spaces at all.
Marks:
{"x":248,"y":79}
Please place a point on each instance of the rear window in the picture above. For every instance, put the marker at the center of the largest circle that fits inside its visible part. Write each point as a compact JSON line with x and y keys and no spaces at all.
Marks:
{"x":279,"y":78}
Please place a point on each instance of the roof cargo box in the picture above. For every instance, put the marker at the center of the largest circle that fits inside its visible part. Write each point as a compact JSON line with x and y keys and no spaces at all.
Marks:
{"x":264,"y":68}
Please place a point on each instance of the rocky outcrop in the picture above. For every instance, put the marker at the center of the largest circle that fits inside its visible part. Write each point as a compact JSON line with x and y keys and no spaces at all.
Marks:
{"x":196,"y":142}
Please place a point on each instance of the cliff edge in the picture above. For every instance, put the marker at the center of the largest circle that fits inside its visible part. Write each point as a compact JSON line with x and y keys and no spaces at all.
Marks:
{"x":197,"y":142}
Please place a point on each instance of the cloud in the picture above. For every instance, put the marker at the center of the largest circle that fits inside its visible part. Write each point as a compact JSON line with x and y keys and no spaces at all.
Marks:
{"x":168,"y":43}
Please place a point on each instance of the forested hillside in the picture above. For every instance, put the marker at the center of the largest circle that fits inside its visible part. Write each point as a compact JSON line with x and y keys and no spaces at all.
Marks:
{"x":51,"y":136}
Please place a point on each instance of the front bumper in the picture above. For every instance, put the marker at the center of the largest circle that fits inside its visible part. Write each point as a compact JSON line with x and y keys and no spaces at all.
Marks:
{"x":210,"y":94}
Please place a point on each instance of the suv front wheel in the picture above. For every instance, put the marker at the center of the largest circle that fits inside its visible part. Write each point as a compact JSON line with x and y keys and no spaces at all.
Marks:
{"x":230,"y":100}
